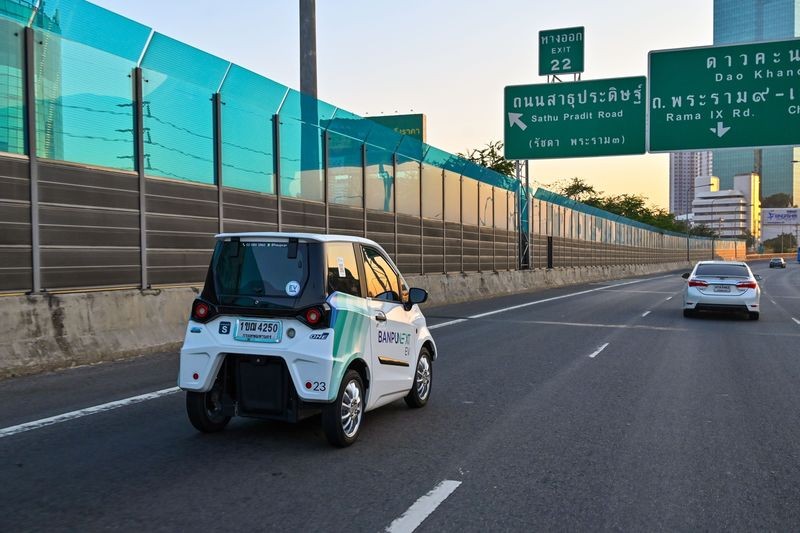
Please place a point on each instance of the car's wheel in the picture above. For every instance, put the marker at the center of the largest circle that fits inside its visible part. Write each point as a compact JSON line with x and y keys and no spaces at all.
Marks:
{"x":205,"y":410}
{"x":688,"y":313}
{"x":341,"y":420}
{"x":423,"y":378}
{"x":752,"y":315}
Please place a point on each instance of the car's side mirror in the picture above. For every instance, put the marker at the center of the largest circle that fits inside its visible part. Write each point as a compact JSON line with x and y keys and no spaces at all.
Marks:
{"x":686,"y":275}
{"x":416,"y":296}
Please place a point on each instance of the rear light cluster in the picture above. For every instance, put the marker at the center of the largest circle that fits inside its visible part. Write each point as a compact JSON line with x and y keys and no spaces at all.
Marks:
{"x":316,"y":317}
{"x":698,"y":283}
{"x":747,"y":285}
{"x":203,"y":311}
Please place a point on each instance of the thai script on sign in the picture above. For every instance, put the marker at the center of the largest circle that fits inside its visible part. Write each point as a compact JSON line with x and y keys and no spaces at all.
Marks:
{"x":731,"y":97}
{"x":780,"y":216}
{"x":757,"y":58}
{"x":560,"y":38}
{"x":577,"y":98}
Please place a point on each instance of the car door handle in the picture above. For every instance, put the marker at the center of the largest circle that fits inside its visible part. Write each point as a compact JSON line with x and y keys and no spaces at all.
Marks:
{"x":380,"y":317}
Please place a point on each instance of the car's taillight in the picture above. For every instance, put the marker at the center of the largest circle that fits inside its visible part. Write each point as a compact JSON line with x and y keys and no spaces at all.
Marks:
{"x":315,"y":317}
{"x":698,"y":283}
{"x":746,"y":285}
{"x":202,"y":311}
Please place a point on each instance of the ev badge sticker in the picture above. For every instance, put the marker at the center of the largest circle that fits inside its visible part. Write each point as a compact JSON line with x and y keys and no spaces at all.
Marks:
{"x":342,"y":271}
{"x":293,"y":288}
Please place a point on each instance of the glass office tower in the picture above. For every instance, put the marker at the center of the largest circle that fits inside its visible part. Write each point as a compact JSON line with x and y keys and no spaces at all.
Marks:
{"x":742,"y":21}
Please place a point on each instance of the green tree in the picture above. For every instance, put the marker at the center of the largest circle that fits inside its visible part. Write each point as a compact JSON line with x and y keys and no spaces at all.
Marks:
{"x":777,"y":200}
{"x":785,"y":242}
{"x":701,"y":230}
{"x":491,"y":157}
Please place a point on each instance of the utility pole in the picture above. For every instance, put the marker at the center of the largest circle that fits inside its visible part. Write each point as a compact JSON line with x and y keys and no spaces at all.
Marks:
{"x":308,"y":47}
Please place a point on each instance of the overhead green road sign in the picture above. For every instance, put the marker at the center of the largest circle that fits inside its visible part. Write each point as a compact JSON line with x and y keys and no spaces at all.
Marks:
{"x":575,"y":119}
{"x":561,"y":51}
{"x":725,"y":96}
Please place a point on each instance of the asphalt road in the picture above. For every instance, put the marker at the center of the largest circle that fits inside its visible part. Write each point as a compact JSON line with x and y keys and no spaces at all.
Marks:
{"x":675,"y":424}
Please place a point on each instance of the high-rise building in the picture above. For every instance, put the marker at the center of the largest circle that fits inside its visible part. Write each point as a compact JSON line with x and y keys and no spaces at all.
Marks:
{"x":743,"y":21}
{"x":684,"y":167}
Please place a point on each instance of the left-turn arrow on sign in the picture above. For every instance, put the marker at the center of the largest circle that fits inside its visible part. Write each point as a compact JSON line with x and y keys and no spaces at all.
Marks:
{"x":514,"y":118}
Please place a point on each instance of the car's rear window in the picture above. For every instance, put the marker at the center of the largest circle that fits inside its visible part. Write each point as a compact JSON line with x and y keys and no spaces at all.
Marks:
{"x":259,"y":268}
{"x":722,"y":270}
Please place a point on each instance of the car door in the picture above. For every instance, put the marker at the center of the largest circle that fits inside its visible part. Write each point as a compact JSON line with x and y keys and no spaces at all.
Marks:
{"x":392,"y":335}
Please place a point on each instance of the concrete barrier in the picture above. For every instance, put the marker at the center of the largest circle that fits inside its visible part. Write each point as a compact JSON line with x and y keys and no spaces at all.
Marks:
{"x":52,"y":331}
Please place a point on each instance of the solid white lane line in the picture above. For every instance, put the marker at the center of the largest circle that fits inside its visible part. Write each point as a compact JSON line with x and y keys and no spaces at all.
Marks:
{"x":422,"y":508}
{"x":645,"y":314}
{"x":36,"y":424}
{"x":600,"y":349}
{"x":796,"y":321}
{"x":536,"y":302}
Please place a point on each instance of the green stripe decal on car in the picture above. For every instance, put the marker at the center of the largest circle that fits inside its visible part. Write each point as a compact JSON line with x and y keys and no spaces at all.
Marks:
{"x":350,"y":323}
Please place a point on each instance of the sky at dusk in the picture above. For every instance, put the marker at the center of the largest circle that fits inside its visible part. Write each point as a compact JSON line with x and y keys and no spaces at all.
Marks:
{"x":448,"y":59}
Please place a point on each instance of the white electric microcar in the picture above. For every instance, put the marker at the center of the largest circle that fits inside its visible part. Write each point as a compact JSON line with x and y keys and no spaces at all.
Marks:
{"x":291,"y":325}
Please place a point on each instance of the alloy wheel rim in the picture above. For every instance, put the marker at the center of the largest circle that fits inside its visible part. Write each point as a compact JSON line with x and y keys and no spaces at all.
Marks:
{"x":423,"y":378}
{"x":351,"y":409}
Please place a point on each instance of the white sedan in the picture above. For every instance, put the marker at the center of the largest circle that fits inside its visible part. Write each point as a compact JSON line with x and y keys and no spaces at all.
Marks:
{"x":721,"y":286}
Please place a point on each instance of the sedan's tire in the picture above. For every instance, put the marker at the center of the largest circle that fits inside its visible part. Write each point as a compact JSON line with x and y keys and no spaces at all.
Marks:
{"x":205,"y":411}
{"x":753,"y":315}
{"x":341,"y":420}
{"x":688,"y":313}
{"x":423,"y":378}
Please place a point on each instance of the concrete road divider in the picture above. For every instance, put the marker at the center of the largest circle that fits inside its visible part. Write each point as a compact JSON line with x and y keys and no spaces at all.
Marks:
{"x":52,"y":331}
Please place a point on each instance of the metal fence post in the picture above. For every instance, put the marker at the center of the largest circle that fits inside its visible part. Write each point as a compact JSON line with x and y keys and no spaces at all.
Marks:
{"x":276,"y":149}
{"x":444,"y":226}
{"x":217,"y":110}
{"x":421,"y":226}
{"x":138,"y":129}
{"x":325,"y":182}
{"x":33,"y":160}
{"x":461,"y":215}
{"x":364,"y":185}
{"x":394,"y":207}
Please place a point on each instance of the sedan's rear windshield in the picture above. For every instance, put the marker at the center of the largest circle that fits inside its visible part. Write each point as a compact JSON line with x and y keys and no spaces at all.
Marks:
{"x":722,"y":270}
{"x":259,"y":268}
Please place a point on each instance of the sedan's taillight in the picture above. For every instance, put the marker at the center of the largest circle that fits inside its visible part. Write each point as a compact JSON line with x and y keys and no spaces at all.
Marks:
{"x":202,"y":311}
{"x":747,"y":285}
{"x":698,"y":283}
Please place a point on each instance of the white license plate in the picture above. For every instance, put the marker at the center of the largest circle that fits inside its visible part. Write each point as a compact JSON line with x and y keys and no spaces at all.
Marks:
{"x":258,"y":330}
{"x":722,"y":288}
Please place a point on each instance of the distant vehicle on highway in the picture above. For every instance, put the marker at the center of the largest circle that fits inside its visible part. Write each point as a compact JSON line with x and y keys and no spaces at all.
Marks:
{"x":721,"y":286}
{"x":777,"y":262}
{"x":290,"y":325}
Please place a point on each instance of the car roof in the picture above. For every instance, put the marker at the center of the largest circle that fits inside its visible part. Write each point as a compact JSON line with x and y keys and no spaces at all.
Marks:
{"x":319,"y":237}
{"x":715,"y":262}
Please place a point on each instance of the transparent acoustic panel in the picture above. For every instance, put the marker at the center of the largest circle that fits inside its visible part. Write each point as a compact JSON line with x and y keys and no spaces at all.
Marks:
{"x":84,"y":104}
{"x":17,"y":10}
{"x":407,"y":182}
{"x":432,"y":194}
{"x":301,"y":161}
{"x":89,"y":24}
{"x":452,"y":196}
{"x":249,"y":103}
{"x":12,"y":97}
{"x":486,"y":205}
{"x":469,"y":201}
{"x":380,"y":179}
{"x":178,"y":84}
{"x":345,"y":172}
{"x":500,"y":208}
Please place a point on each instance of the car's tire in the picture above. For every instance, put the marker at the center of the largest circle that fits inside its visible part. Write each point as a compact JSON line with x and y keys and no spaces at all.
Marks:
{"x":205,"y":410}
{"x":423,"y":379}
{"x":341,"y":420}
{"x":753,"y":315}
{"x":688,"y":313}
